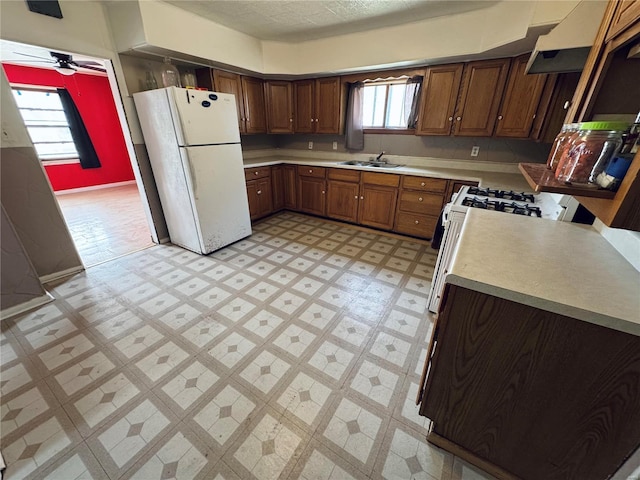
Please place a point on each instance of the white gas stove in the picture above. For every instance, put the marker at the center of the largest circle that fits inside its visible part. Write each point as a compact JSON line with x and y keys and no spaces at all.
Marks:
{"x":543,"y":205}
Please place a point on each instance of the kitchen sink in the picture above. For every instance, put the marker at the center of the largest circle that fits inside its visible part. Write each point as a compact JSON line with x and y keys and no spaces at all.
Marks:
{"x":370,"y":164}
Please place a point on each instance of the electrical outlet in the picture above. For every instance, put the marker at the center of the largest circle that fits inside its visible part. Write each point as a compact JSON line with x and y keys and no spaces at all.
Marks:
{"x":310,"y":145}
{"x":474,"y":151}
{"x":335,"y":145}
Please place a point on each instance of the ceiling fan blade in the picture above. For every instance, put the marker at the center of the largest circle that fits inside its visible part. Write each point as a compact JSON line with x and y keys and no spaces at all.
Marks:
{"x":83,"y":63}
{"x":29,"y":62}
{"x":90,"y":67}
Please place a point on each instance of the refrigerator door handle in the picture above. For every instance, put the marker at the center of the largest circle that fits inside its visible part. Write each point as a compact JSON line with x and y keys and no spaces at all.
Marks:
{"x":194,"y":181}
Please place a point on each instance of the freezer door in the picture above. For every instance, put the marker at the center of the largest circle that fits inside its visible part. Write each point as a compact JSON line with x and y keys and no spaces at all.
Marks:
{"x":203,"y":118}
{"x":218,"y":193}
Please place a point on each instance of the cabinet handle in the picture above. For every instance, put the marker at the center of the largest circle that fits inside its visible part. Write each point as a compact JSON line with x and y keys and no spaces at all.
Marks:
{"x":422,"y":184}
{"x":323,"y":192}
{"x":499,"y":117}
{"x":451,"y":119}
{"x":291,"y":119}
{"x":417,"y":222}
{"x":356,"y":197}
{"x":255,"y":173}
{"x":458,"y":118}
{"x":259,"y":192}
{"x":316,"y":120}
{"x":420,"y":199}
{"x":361,"y":198}
{"x":566,"y":105}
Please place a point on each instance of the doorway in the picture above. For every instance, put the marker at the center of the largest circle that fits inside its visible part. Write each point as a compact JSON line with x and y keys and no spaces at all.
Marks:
{"x":96,"y":189}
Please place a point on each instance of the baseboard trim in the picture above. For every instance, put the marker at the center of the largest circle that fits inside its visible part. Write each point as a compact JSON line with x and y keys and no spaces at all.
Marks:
{"x":95,"y":187}
{"x":26,"y":306}
{"x":164,"y":240}
{"x":61,"y":274}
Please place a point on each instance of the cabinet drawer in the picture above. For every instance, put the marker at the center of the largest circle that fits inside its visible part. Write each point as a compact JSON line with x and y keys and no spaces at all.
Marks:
{"x":415,"y":224}
{"x":344,"y":175}
{"x":424,"y":184}
{"x":258,"y":172}
{"x":420,"y":202}
{"x":306,"y":171}
{"x":385,"y":179}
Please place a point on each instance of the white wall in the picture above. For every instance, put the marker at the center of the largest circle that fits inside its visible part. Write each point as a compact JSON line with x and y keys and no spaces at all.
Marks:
{"x":626,"y":242}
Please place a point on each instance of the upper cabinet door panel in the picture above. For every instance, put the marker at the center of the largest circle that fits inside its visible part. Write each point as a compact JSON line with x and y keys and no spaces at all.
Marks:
{"x":627,"y":12}
{"x":254,"y":107}
{"x":226,"y":82}
{"x":439,"y":95}
{"x":328,"y":107}
{"x":482,"y":87}
{"x":279,"y":107}
{"x":520,"y":102}
{"x":303,"y":119}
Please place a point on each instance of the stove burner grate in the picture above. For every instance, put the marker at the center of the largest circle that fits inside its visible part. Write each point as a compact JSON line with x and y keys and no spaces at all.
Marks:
{"x":500,"y":206}
{"x":507,"y":195}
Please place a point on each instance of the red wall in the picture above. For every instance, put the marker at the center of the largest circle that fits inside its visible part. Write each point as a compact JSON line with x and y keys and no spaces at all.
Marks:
{"x":92,"y":95}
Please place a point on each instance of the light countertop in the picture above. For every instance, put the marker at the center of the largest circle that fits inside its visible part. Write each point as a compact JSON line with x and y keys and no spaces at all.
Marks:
{"x":560,"y":267}
{"x":505,"y":180}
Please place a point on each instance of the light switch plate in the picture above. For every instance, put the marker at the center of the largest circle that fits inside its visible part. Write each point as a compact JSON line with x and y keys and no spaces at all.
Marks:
{"x":310,"y":145}
{"x":335,"y":145}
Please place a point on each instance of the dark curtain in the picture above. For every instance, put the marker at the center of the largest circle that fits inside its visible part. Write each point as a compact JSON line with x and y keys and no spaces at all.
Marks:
{"x":412,"y":100}
{"x":86,"y":152}
{"x":354,"y":130}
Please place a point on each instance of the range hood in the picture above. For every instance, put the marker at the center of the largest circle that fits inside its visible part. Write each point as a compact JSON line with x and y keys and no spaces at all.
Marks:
{"x":567,"y":46}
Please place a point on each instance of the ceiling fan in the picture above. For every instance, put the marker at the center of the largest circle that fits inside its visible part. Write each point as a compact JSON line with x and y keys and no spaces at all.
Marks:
{"x":64,"y":63}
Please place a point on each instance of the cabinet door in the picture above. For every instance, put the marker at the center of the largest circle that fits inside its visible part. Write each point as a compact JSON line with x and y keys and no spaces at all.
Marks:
{"x":439,"y":96}
{"x":520,"y":101}
{"x":277,"y":187}
{"x":328,"y":105}
{"x":303,"y":118}
{"x":265,"y":199}
{"x":254,"y":201}
{"x":482,"y":86}
{"x":627,"y":12}
{"x":279,"y":107}
{"x":342,"y":200}
{"x":290,"y":179}
{"x":312,"y":195}
{"x":378,"y":206}
{"x":254,"y":110}
{"x":226,"y":82}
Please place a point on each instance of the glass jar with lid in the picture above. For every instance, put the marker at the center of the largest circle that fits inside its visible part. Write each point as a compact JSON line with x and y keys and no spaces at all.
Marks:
{"x":170,"y":74}
{"x":590,"y":150}
{"x":558,"y":147}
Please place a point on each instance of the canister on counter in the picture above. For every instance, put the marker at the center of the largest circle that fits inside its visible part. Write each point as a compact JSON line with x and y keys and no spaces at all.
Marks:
{"x":590,"y":151}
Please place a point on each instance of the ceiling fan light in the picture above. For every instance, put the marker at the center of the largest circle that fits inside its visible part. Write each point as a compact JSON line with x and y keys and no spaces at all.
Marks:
{"x":65,"y":69}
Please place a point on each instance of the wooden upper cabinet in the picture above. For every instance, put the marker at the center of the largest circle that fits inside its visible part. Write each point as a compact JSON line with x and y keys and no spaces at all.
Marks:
{"x":279,"y":106}
{"x":627,"y":12}
{"x":328,"y":107}
{"x":520,"y":102}
{"x":319,"y":106}
{"x":439,"y":95}
{"x":304,"y":101}
{"x":254,"y":107}
{"x":482,"y":86}
{"x":227,"y":82}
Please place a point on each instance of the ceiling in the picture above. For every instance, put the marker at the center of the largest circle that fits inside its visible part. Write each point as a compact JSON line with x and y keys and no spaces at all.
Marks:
{"x":300,"y":20}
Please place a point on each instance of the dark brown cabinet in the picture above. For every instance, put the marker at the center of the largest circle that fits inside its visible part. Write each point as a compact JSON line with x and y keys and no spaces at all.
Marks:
{"x":260,"y":198}
{"x":319,"y":106}
{"x":312,"y":189}
{"x":279,"y":106}
{"x":378,"y":196}
{"x":290,"y":186}
{"x":277,"y":187}
{"x":483,"y":83}
{"x":520,"y":102}
{"x":500,"y":375}
{"x":439,"y":95}
{"x":254,"y":106}
{"x":227,"y":82}
{"x":343,"y":194}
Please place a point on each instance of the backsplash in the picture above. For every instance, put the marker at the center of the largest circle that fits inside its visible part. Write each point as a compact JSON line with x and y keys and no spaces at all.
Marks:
{"x":459,"y":148}
{"x":259,"y":142}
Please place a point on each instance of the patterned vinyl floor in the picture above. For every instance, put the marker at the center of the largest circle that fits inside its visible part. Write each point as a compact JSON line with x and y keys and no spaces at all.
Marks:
{"x":295,"y":353}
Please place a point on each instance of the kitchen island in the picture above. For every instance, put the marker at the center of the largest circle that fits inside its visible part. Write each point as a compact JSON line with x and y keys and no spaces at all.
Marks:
{"x":533,"y":370}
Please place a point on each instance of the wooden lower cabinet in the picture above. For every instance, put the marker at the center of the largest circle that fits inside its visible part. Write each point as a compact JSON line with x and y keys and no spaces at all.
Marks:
{"x":290,"y":186}
{"x":526,"y":393}
{"x":312,"y":195}
{"x":342,"y":200}
{"x":260,"y":198}
{"x":378,"y":206}
{"x":277,"y":187}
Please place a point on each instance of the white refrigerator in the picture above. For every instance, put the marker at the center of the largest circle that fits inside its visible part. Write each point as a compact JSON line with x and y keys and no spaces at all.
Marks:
{"x":193,"y":142}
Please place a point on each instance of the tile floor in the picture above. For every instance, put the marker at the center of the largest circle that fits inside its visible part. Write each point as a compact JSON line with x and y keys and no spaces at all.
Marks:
{"x":106,"y":223}
{"x":295,"y":353}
